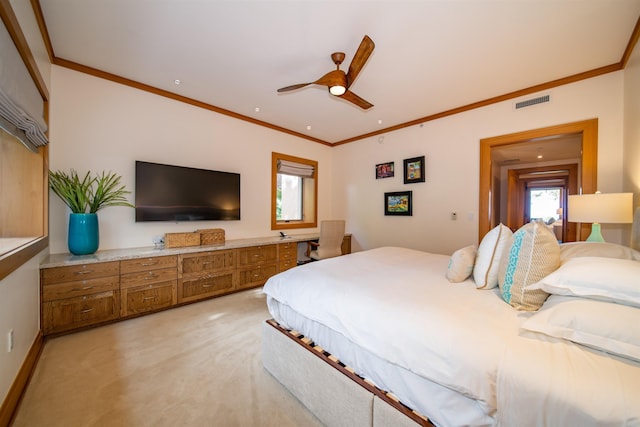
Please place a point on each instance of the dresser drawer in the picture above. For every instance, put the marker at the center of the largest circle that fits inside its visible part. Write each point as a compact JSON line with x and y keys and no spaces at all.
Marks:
{"x":205,"y":286}
{"x":207,"y":261}
{"x":147,"y":277}
{"x":146,"y":264}
{"x":256,"y":276}
{"x":287,"y":251}
{"x":71,"y":313}
{"x":256,"y":255}
{"x":79,"y":288}
{"x":78,"y":272}
{"x":287,"y":264}
{"x":146,"y":298}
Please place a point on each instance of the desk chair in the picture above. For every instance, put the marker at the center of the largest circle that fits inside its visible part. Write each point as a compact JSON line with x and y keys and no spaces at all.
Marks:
{"x":330,"y":242}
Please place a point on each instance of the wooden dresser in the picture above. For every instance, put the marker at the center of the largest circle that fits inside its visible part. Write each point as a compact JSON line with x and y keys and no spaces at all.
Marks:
{"x":84,"y":291}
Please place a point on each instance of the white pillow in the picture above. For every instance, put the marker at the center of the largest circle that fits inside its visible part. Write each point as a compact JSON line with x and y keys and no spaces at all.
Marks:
{"x":461,"y":264}
{"x":599,"y":249}
{"x":493,"y":246}
{"x":606,"y":279}
{"x":607,"y":326}
{"x":534,"y":254}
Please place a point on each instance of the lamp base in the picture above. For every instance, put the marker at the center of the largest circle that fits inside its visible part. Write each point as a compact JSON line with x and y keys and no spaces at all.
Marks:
{"x":596,"y":235}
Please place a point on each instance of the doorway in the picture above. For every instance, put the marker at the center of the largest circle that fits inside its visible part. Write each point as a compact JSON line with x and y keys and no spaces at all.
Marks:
{"x":491,"y":201}
{"x":540,"y":193}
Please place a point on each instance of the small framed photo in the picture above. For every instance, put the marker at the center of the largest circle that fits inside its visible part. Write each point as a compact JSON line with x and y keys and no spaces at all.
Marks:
{"x":414,"y":170}
{"x":384,"y":170}
{"x":398,"y":203}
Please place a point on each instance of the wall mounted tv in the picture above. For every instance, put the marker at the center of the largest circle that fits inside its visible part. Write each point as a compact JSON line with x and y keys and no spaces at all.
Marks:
{"x":177,"y":193}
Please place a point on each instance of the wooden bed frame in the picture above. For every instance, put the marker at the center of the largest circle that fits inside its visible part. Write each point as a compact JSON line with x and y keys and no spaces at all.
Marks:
{"x":328,"y":388}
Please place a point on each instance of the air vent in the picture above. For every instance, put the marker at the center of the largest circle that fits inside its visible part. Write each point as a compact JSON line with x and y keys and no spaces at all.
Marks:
{"x":510,"y":161}
{"x":533,"y":101}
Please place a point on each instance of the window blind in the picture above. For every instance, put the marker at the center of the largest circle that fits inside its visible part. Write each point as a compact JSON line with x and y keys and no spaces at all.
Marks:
{"x":294,"y":168}
{"x":21,"y":105}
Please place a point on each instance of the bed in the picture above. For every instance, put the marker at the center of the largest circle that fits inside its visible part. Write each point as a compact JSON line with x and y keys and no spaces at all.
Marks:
{"x":491,"y":335}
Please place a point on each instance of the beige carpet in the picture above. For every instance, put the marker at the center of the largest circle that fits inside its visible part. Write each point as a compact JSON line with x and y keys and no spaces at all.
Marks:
{"x":197,"y":365}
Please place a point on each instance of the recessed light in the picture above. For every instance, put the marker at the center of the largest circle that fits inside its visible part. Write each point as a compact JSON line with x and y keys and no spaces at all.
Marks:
{"x":308,"y":127}
{"x":257,"y":109}
{"x":177,"y":81}
{"x":379,"y":121}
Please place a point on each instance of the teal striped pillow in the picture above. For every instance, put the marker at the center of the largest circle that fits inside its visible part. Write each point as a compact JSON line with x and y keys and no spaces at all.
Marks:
{"x":534,"y":254}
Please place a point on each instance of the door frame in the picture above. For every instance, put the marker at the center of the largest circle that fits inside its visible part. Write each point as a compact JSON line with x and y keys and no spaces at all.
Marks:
{"x":588,"y":169}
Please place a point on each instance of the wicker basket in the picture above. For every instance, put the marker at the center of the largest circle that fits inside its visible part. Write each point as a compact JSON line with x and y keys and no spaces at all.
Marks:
{"x":211,"y":236}
{"x":180,"y":240}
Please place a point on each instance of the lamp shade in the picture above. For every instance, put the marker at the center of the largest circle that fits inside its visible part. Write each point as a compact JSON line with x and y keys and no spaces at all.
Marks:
{"x":609,"y":208}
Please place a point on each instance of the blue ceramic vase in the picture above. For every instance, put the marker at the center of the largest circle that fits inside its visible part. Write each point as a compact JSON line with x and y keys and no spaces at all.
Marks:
{"x":84,"y":236}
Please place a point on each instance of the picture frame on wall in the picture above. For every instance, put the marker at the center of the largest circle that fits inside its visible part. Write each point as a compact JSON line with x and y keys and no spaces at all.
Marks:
{"x":398,"y":203}
{"x":385,"y":170}
{"x":414,"y":170}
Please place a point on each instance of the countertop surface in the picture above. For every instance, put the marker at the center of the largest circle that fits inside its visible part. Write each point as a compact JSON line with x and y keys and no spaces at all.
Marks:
{"x":66,"y":259}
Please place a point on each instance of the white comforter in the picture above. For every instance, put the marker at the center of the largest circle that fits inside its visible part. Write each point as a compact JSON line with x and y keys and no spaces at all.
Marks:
{"x":397,"y":304}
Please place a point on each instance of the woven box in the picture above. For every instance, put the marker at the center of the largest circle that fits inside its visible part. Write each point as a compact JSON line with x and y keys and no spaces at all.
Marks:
{"x":180,"y":240}
{"x":211,"y":236}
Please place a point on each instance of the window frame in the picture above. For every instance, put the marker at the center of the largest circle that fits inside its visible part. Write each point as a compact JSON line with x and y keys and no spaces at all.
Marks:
{"x":307,"y":210}
{"x":12,"y":260}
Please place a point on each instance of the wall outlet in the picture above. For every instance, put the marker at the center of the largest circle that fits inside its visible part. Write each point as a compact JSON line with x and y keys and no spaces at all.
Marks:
{"x":10,"y":341}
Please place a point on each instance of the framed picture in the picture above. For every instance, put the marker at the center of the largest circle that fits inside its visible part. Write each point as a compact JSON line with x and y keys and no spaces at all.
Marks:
{"x":414,"y":170}
{"x":384,"y":170}
{"x":398,"y":203}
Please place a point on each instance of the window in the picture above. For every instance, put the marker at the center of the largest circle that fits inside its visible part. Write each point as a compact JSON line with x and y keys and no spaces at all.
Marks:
{"x":294,"y":190}
{"x":23,"y":219}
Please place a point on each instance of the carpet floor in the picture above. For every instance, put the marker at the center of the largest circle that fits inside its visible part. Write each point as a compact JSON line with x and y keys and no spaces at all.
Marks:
{"x":197,"y":365}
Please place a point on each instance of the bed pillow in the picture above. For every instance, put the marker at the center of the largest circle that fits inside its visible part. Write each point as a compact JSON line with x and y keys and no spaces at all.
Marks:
{"x":534,"y":254}
{"x":597,"y":249}
{"x":607,"y":326}
{"x":493,"y":246}
{"x":461,"y":264}
{"x":606,"y":279}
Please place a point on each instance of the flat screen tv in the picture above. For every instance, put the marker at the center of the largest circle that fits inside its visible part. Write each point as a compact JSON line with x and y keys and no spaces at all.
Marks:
{"x":177,"y":193}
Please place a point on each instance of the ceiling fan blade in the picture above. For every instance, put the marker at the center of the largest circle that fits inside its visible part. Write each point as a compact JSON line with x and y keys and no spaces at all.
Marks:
{"x":332,"y":78}
{"x":293,"y":87}
{"x":360,"y":58}
{"x":352,"y":97}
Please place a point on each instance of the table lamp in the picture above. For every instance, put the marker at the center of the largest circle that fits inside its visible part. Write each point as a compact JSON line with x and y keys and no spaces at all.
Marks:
{"x":599,"y":208}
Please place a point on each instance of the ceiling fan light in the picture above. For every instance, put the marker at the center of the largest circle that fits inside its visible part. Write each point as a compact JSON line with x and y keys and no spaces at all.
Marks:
{"x":337,"y":90}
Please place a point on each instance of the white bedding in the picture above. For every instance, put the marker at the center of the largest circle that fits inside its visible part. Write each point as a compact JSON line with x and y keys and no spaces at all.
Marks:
{"x":544,"y":381}
{"x":397,"y":304}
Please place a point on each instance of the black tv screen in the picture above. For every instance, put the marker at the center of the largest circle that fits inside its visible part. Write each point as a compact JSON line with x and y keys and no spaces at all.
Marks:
{"x":177,"y":193}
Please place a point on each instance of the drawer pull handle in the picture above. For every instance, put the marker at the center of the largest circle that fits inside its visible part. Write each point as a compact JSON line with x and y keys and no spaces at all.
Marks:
{"x":148,"y":298}
{"x":85,"y":288}
{"x":86,"y":310}
{"x":146,"y":264}
{"x":207,"y":286}
{"x":79,"y":273}
{"x":150,"y":276}
{"x":206,"y":262}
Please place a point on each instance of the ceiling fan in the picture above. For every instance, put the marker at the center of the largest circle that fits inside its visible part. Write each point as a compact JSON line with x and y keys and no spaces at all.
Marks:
{"x":338,"y":81}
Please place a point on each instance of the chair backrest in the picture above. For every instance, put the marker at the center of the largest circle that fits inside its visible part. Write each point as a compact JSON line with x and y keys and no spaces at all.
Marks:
{"x":331,"y":236}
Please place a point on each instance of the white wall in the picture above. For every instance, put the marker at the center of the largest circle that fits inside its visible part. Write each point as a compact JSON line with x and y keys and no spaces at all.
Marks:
{"x":100,"y":125}
{"x":451,"y":146}
{"x":632,"y":127}
{"x":20,"y":312}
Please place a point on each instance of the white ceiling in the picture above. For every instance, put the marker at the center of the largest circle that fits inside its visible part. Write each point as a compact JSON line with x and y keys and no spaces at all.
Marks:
{"x":430,"y":56}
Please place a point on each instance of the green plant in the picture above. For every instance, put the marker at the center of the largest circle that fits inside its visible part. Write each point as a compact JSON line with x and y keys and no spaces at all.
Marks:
{"x":90,"y":193}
